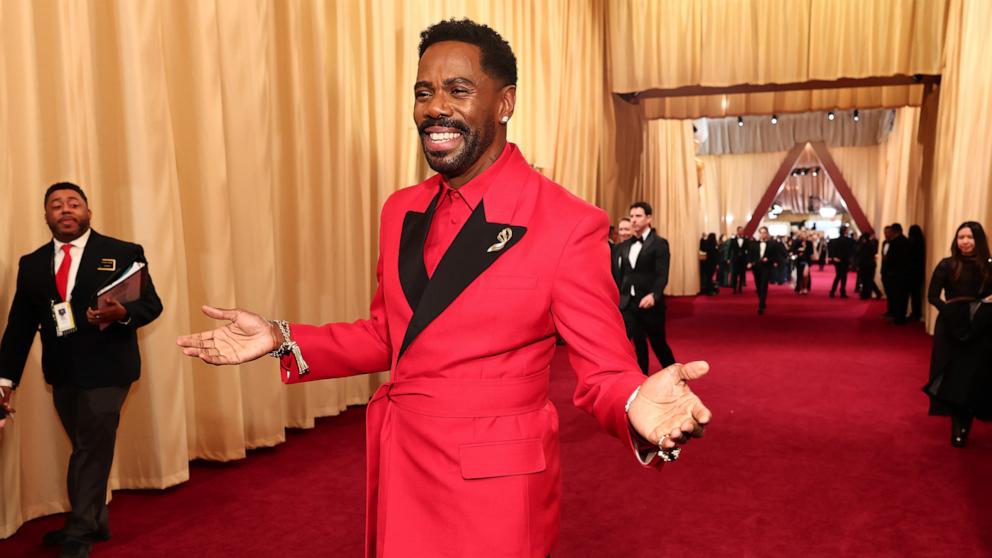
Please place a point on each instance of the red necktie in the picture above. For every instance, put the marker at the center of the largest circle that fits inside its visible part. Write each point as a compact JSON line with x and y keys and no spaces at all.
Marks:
{"x":62,"y":276}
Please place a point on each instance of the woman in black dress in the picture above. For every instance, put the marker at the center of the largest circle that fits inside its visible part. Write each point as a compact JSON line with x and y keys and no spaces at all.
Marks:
{"x":802,"y":257}
{"x":961,"y":362}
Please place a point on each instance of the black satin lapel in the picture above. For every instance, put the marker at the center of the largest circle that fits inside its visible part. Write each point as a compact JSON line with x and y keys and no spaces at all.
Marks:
{"x":413,"y":237}
{"x":86,"y":275}
{"x":466,"y":259}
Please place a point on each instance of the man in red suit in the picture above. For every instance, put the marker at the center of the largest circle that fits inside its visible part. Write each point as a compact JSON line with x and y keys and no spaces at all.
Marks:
{"x":480,"y":268}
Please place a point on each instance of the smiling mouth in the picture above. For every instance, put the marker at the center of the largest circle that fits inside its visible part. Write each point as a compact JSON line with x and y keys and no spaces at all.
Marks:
{"x":442,"y":141}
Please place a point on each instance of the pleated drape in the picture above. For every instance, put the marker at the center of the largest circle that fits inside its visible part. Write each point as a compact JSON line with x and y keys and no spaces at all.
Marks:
{"x":660,"y":44}
{"x":248,"y":145}
{"x":961,"y":187}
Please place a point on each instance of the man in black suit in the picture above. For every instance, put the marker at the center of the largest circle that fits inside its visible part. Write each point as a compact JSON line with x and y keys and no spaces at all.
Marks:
{"x":641,"y":269}
{"x":867,"y":256}
{"x":765,"y":254}
{"x":841,"y":249}
{"x":896,"y":267}
{"x":89,"y":353}
{"x":738,"y":260}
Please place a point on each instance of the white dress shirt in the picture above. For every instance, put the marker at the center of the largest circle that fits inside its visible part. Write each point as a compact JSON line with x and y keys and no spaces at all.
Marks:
{"x":761,"y":250}
{"x":76,"y":252}
{"x":635,"y":250}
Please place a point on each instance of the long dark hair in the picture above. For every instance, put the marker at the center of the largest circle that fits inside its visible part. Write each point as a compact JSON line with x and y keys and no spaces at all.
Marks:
{"x":979,"y":260}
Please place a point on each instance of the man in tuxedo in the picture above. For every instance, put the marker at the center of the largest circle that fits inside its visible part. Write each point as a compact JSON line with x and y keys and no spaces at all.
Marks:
{"x":765,"y":255}
{"x":480,"y":268}
{"x":896,"y":268}
{"x":841,"y":249}
{"x":89,"y":356}
{"x":867,"y":258}
{"x":739,"y":260}
{"x":643,"y":263}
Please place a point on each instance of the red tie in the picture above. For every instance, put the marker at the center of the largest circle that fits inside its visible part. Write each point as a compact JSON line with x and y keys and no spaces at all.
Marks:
{"x":62,"y":276}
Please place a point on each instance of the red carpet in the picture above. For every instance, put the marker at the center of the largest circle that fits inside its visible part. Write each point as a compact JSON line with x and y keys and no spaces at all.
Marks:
{"x":820,"y":446}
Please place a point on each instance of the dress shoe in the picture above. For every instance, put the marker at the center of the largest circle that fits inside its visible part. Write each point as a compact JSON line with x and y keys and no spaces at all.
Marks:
{"x":57,"y":538}
{"x":75,"y":549}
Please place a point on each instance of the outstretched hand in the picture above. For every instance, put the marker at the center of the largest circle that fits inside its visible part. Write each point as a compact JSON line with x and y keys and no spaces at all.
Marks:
{"x":247,"y":337}
{"x":665,"y":411}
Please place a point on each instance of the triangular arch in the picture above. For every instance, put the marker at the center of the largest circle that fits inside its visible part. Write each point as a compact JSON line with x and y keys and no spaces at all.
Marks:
{"x":833,"y":172}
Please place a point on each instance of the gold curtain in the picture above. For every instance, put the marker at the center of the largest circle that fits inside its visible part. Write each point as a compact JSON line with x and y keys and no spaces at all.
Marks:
{"x":248,"y":145}
{"x":661,"y":44}
{"x":667,"y":180}
{"x":732,"y":187}
{"x":783,"y":102}
{"x":962,"y":173}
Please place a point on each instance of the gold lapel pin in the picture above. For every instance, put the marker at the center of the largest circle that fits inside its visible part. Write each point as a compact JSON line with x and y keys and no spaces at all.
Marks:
{"x":107,"y":264}
{"x":502,"y":238}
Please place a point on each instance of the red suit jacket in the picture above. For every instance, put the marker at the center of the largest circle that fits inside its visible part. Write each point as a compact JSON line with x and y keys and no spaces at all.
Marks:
{"x":463,"y":455}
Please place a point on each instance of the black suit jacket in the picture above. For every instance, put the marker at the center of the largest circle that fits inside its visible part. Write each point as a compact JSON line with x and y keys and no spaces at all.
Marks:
{"x":774,"y":251}
{"x":739,"y":254}
{"x":841,"y":248}
{"x":896,"y":261}
{"x":650,"y":276}
{"x":88,"y":357}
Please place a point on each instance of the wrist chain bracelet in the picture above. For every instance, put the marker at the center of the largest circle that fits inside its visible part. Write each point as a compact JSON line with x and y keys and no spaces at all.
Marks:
{"x":289,"y":346}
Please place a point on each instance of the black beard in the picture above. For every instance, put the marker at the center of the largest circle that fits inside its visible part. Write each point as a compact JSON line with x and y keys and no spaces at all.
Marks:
{"x":476,"y":143}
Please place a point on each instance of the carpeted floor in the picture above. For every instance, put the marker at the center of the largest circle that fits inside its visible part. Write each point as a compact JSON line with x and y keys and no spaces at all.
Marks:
{"x":820,"y":446}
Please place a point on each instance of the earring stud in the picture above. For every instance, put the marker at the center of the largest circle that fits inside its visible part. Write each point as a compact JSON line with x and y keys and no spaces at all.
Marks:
{"x":505,"y":119}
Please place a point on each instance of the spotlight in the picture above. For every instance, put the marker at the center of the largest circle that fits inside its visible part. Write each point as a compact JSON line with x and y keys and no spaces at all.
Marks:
{"x":816,"y":171}
{"x":830,"y":115}
{"x":857,"y":116}
{"x":802,"y":172}
{"x":774,"y":119}
{"x":740,"y":121}
{"x":828,"y":212}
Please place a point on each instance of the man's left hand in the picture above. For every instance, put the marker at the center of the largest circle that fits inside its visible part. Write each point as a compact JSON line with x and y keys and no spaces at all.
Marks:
{"x":112,"y":312}
{"x":665,"y":411}
{"x":647,"y":301}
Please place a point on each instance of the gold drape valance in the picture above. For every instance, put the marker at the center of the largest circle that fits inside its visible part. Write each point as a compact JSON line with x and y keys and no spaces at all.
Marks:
{"x":663,"y":44}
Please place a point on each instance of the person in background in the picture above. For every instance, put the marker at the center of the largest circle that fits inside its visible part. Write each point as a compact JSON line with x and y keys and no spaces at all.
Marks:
{"x":89,"y":351}
{"x":917,"y":271}
{"x":960,"y":383}
{"x":765,"y":255}
{"x":895,"y":270}
{"x":824,"y":253}
{"x":867,"y":256}
{"x":723,"y":269}
{"x":739,"y":260}
{"x":802,"y":257}
{"x":624,"y":231}
{"x":840,"y":251}
{"x":710,"y":257}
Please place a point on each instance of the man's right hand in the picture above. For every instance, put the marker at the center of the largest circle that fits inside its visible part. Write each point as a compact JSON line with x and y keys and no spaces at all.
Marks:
{"x":247,"y":337}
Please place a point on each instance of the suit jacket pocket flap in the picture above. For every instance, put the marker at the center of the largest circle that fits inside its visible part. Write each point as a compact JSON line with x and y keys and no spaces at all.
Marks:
{"x":500,"y":459}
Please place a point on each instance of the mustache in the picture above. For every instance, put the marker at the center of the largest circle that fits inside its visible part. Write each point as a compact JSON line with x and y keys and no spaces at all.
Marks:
{"x":442,"y":123}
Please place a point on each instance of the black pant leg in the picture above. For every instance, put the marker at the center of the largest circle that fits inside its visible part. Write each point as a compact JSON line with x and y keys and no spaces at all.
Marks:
{"x":842,"y":269}
{"x":91,"y":417}
{"x":761,"y":285}
{"x":655,"y":321}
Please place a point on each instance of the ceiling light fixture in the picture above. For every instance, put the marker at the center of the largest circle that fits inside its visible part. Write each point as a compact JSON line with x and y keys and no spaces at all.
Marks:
{"x":856,"y":116}
{"x":830,"y":115}
{"x":740,"y":121}
{"x":774,"y":119}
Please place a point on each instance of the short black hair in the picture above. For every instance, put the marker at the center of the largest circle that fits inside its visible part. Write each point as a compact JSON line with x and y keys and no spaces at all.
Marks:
{"x":497,"y":57}
{"x":643,"y":205}
{"x":622,"y":219}
{"x":65,"y":186}
{"x":897,"y":227}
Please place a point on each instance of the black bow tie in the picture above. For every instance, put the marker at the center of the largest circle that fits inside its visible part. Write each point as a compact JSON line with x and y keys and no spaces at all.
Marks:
{"x":637,"y":239}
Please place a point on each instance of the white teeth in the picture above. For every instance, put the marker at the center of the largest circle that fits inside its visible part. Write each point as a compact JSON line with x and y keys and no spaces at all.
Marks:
{"x":443,"y":136}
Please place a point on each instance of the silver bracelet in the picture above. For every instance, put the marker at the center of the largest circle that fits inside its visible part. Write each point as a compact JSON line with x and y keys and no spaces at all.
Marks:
{"x":289,"y":346}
